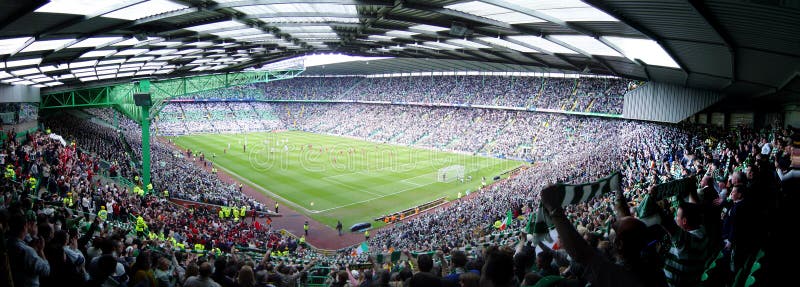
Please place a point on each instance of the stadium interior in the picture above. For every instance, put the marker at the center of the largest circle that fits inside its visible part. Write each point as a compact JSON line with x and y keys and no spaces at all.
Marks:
{"x":499,"y":143}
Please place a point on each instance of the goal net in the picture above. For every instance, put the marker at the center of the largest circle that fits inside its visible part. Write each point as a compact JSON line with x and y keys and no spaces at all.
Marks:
{"x":450,"y":173}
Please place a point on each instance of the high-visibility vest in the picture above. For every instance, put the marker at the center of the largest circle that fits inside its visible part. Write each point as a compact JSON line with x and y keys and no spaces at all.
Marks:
{"x":166,"y":193}
{"x":103,"y":214}
{"x":303,"y":239}
{"x":221,"y":213}
{"x":140,"y":224}
{"x":199,"y":247}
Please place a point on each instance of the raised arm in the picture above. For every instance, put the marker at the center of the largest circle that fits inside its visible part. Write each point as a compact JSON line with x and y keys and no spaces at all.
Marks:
{"x":570,"y":239}
{"x":621,"y":205}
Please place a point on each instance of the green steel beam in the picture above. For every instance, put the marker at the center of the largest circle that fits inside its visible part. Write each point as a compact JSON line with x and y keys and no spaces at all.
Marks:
{"x":121,"y":96}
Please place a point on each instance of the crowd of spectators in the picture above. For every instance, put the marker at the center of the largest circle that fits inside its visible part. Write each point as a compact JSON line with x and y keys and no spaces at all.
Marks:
{"x":179,"y":118}
{"x":601,"y":95}
{"x":585,"y":94}
{"x":743,"y":176}
{"x":78,"y":228}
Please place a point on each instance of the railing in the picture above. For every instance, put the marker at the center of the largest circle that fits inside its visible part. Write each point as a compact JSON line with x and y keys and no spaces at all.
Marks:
{"x":412,"y":211}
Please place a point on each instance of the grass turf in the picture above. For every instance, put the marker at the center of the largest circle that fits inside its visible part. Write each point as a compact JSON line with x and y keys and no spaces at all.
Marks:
{"x":346,"y":179}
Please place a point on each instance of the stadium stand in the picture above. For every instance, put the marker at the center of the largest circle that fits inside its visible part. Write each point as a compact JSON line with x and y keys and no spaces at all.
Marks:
{"x":654,"y":141}
{"x":588,"y":149}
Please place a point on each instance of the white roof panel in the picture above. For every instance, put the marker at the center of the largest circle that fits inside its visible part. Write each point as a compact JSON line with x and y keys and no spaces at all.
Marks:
{"x":467,"y":44}
{"x":307,"y":29}
{"x":321,"y":8}
{"x":51,"y":68}
{"x":162,"y":52}
{"x":580,"y":14}
{"x":309,"y":20}
{"x":109,"y":62}
{"x":146,"y":9}
{"x":188,"y":51}
{"x":95,"y":42}
{"x":245,"y":31}
{"x":644,"y":49}
{"x":442,"y":45}
{"x":101,"y":53}
{"x":493,"y":12}
{"x":401,"y":34}
{"x":19,"y":63}
{"x":565,"y":10}
{"x":507,"y":44}
{"x":79,"y":7}
{"x":140,"y":59}
{"x":428,"y":28}
{"x":46,"y":45}
{"x":587,"y":44}
{"x":216,"y":26}
{"x":83,"y":64}
{"x":130,"y":52}
{"x":24,"y":72}
{"x":8,"y":46}
{"x":543,"y":44}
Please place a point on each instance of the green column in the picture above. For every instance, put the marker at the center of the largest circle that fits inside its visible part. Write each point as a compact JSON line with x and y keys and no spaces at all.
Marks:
{"x":144,"y":87}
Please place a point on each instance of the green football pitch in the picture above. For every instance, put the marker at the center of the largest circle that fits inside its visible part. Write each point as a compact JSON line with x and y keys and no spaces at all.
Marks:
{"x":332,"y":178}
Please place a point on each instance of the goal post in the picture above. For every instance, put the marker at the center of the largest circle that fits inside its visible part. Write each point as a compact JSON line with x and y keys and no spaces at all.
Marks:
{"x":450,"y":173}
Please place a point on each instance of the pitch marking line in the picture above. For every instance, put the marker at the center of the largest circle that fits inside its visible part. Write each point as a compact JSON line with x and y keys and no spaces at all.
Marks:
{"x":371,"y":199}
{"x":264,"y":190}
{"x":350,"y":186}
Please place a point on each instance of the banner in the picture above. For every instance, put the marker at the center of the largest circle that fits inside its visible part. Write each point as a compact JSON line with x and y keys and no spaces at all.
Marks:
{"x":573,"y":194}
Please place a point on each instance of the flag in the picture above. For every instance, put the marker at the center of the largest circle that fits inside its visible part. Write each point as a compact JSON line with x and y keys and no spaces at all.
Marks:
{"x":573,"y":194}
{"x":647,"y":211}
{"x":506,"y":223}
{"x":362,"y":248}
{"x":529,"y":224}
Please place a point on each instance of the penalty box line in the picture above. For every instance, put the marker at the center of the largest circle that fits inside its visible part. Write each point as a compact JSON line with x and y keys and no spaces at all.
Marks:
{"x":371,"y":199}
{"x":266,"y":191}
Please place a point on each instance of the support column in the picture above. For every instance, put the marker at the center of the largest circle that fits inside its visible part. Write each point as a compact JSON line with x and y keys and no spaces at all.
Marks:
{"x":144,"y":87}
{"x":145,"y":147}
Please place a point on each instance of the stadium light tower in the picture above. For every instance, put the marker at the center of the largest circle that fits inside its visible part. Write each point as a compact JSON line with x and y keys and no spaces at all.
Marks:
{"x":142,"y":99}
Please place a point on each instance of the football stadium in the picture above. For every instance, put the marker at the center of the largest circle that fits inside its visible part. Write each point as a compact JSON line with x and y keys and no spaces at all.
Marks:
{"x":499,"y":143}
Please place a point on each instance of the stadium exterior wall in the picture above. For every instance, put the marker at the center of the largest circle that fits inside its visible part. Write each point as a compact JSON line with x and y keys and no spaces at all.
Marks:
{"x":19,"y":94}
{"x":666,"y":103}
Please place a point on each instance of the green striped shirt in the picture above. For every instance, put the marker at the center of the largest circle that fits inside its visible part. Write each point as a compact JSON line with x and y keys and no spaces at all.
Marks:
{"x":687,"y":256}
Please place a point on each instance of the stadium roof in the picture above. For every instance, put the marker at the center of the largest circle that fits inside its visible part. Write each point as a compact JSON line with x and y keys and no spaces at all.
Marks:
{"x":736,"y":46}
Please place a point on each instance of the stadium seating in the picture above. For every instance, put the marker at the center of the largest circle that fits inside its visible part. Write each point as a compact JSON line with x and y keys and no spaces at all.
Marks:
{"x":565,"y":148}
